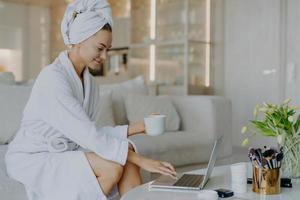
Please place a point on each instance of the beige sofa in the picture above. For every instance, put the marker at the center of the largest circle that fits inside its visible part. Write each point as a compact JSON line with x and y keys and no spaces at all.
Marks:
{"x":203,"y":118}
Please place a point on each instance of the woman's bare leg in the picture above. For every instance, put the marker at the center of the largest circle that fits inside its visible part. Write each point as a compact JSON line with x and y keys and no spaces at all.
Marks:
{"x":131,"y":178}
{"x":108,"y":173}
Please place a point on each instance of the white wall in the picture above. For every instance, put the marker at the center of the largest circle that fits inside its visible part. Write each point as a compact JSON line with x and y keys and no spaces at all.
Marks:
{"x":253,"y":59}
{"x":293,"y":50}
{"x":12,"y":32}
{"x":121,"y":33}
{"x":217,"y":56}
{"x":23,"y":24}
{"x":39,"y":39}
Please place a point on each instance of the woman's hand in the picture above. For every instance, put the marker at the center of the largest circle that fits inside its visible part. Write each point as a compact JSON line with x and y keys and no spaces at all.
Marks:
{"x":151,"y":165}
{"x":157,"y":167}
{"x":136,"y":128}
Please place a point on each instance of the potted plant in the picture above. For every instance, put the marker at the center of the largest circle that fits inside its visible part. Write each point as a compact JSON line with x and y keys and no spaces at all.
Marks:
{"x":281,"y":122}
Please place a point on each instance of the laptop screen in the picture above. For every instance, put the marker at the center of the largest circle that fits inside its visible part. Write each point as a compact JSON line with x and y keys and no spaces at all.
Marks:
{"x":212,"y":160}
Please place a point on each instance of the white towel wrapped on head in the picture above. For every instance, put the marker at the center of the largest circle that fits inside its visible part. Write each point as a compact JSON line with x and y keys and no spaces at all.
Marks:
{"x":84,"y":18}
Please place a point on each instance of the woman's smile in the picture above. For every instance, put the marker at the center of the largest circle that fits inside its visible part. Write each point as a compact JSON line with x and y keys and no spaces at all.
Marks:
{"x":98,"y":61}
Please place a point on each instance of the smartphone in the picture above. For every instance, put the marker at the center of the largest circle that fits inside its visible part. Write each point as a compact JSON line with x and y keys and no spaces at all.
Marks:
{"x":224,"y":193}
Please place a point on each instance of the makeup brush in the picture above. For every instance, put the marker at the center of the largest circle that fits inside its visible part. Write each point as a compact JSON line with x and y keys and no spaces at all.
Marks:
{"x":268,"y":152}
{"x":258,"y":156}
{"x":279,"y":157}
{"x":274,"y":161}
{"x":265,"y":163}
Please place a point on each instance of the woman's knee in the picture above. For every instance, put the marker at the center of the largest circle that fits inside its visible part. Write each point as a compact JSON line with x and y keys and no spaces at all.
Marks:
{"x":104,"y":168}
{"x":116,"y":172}
{"x":109,"y":178}
{"x":132,"y":172}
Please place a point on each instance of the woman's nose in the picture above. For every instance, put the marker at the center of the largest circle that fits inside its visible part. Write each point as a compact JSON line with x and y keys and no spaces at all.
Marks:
{"x":103,"y":55}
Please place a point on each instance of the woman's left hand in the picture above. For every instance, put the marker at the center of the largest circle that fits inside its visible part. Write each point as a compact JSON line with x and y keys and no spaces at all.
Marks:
{"x":157,"y":166}
{"x":136,"y":128}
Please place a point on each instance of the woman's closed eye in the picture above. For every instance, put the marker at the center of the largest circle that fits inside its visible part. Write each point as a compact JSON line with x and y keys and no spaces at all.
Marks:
{"x":100,"y":49}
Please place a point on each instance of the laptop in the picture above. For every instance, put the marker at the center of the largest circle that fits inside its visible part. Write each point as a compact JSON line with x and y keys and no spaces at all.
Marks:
{"x":189,"y":181}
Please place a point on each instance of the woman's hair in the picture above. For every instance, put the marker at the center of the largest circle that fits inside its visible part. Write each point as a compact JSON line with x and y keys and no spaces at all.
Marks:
{"x":107,"y":27}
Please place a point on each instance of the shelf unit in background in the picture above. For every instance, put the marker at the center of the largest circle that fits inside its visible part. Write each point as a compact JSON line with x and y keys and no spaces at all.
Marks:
{"x":178,"y":34}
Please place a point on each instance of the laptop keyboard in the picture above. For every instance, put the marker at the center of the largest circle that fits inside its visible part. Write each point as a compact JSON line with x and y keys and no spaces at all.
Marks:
{"x":189,"y":180}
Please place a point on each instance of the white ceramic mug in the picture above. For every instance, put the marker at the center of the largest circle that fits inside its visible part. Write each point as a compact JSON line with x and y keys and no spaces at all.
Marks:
{"x":239,"y":177}
{"x":155,"y":124}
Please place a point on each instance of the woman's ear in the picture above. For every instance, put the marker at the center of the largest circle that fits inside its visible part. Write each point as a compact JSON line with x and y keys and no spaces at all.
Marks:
{"x":75,"y":47}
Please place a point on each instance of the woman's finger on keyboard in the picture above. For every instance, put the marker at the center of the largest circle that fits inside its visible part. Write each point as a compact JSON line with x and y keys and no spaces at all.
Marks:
{"x":169,"y":166}
{"x":167,"y":171}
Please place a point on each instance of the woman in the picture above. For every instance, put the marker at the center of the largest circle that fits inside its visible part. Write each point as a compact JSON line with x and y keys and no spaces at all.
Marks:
{"x":59,"y":153}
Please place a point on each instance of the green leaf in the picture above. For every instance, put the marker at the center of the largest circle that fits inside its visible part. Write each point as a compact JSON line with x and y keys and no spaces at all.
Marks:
{"x":291,"y":112}
{"x":263,"y":128}
{"x":245,"y":142}
{"x":297,"y":124}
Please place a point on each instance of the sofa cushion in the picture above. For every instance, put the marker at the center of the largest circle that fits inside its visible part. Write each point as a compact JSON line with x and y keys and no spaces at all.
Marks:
{"x":140,"y":106}
{"x":112,"y":78}
{"x":13,"y":99}
{"x":9,"y":188}
{"x":119,"y":91}
{"x":179,"y":148}
{"x":105,"y":114}
{"x":7,"y":78}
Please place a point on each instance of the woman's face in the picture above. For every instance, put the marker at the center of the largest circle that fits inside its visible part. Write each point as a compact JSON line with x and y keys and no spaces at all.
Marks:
{"x":93,"y":51}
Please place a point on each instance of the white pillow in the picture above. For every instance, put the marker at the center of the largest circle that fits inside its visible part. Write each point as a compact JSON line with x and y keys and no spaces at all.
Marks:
{"x":112,"y":79}
{"x":7,"y":78}
{"x":140,"y":106}
{"x":105,"y":114}
{"x":119,"y":91}
{"x":13,"y":99}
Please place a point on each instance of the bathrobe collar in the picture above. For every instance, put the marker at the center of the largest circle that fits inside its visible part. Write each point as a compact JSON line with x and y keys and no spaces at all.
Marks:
{"x":83,"y":94}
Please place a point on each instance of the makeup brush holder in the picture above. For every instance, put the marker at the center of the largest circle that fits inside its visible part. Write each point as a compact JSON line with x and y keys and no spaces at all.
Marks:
{"x":266,"y":181}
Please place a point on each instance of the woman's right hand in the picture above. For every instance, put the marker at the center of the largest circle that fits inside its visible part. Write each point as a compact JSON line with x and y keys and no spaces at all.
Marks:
{"x":136,"y":128}
{"x":157,"y":167}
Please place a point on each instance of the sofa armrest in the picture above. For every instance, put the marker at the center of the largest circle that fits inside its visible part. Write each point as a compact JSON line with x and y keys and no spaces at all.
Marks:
{"x":210,"y":116}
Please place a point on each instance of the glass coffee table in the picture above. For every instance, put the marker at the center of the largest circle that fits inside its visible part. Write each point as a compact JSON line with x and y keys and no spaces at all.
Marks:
{"x":220,"y":179}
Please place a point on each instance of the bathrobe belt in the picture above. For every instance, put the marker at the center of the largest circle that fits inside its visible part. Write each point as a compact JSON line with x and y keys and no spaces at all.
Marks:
{"x":61,"y":144}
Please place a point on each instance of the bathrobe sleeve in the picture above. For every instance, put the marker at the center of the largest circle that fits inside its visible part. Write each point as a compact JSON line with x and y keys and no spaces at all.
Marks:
{"x":59,"y":107}
{"x":117,"y":131}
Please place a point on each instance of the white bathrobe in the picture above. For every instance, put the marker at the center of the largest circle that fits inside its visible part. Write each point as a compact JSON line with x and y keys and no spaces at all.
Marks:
{"x":58,"y":125}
